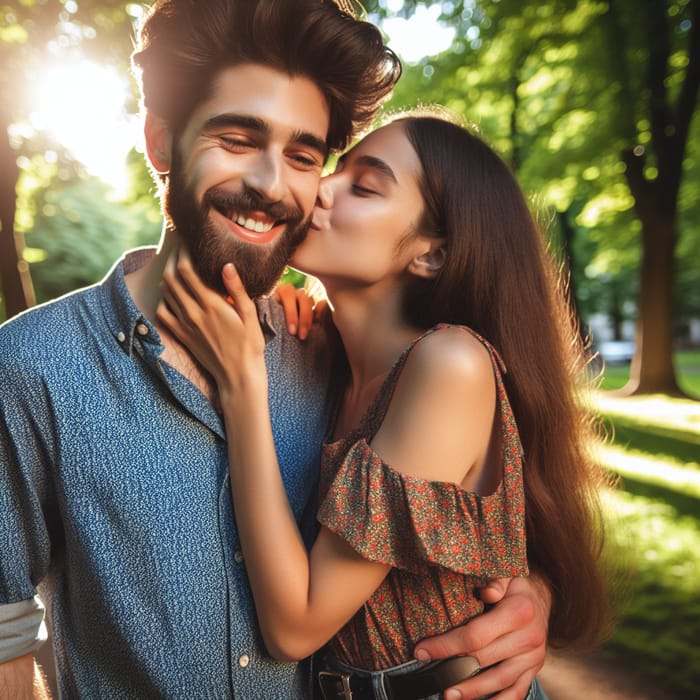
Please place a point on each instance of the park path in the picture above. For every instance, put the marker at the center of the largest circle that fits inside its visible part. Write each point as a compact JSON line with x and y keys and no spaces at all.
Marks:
{"x":594,"y":677}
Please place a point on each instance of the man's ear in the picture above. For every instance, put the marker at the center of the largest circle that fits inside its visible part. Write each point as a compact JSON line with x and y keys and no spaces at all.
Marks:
{"x":428,"y":263}
{"x":158,"y":143}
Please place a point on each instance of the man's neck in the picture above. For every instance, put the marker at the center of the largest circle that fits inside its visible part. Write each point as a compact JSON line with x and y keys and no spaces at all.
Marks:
{"x":144,"y":284}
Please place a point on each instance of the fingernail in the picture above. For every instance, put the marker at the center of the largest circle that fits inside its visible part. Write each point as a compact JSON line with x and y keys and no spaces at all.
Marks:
{"x":229,"y":270}
{"x":292,"y":329}
{"x":422,"y":655}
{"x":452,"y":695}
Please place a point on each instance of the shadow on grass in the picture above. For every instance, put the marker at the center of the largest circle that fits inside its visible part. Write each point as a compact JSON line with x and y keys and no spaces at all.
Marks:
{"x":682,"y":503}
{"x":658,"y":631}
{"x":675,"y":443}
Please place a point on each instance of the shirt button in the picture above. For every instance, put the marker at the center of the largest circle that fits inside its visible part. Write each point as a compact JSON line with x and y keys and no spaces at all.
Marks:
{"x":244,"y":661}
{"x":121,"y":337}
{"x":142,"y":329}
{"x":238,"y":556}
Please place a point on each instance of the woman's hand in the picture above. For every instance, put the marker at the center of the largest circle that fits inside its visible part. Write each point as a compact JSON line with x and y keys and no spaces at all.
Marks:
{"x":301,"y":309}
{"x":224,"y":335}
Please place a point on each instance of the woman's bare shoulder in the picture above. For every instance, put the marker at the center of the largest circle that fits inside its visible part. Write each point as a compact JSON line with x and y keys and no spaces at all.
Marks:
{"x":451,"y":356}
{"x":439,"y":420}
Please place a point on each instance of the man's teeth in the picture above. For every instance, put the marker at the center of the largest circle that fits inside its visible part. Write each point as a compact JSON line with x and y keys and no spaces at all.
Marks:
{"x":253,"y":225}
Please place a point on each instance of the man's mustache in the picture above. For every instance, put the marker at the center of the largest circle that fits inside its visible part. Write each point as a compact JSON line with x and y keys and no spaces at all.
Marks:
{"x":228,"y":203}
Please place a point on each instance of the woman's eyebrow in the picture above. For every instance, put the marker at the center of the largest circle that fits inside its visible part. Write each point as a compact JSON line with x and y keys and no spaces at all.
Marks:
{"x":381,"y":166}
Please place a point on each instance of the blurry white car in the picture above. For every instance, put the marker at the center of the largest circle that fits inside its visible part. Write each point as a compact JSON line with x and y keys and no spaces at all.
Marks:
{"x":616,"y":352}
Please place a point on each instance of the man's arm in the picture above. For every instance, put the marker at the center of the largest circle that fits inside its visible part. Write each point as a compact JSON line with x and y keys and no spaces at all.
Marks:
{"x":26,"y":446}
{"x":22,"y":679}
{"x":509,"y":641}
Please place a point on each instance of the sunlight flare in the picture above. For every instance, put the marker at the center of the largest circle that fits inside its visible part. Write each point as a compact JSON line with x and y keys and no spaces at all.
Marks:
{"x":82,"y":106}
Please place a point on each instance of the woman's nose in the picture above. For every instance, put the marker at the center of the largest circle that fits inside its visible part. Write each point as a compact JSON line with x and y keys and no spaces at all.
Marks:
{"x":325,"y":195}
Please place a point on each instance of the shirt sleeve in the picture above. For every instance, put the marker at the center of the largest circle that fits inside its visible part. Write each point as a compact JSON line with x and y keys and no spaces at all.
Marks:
{"x":412,"y":523}
{"x":24,"y":489}
{"x":22,"y":628}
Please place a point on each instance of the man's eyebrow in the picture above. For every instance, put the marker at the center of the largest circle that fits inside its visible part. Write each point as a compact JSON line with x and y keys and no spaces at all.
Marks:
{"x":306,"y":138}
{"x":381,"y":166}
{"x":244,"y":121}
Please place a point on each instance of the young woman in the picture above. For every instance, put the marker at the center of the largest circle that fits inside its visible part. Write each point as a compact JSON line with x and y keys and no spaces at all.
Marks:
{"x":439,"y":282}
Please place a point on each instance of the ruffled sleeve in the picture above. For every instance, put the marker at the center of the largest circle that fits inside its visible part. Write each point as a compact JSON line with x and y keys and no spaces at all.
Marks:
{"x":412,"y":524}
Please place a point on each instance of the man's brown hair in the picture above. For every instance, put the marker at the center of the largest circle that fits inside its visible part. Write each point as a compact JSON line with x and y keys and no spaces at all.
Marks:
{"x":184,"y":44}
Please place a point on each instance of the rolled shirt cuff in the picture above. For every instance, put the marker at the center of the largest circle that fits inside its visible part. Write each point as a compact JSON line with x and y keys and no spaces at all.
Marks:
{"x":22,"y":628}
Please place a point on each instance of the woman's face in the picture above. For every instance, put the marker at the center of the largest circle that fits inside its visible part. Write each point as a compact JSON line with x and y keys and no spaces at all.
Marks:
{"x":367,"y":208}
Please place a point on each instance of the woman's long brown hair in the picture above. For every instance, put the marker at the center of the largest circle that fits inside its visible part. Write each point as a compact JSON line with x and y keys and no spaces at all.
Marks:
{"x":499,"y":280}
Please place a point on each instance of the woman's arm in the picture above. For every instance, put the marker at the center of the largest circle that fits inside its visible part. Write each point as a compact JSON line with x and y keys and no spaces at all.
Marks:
{"x":438,"y":428}
{"x":301,"y":601}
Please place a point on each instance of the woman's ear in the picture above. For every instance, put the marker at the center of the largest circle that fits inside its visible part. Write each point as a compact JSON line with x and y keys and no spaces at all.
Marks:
{"x":430,"y":262}
{"x":158,"y":143}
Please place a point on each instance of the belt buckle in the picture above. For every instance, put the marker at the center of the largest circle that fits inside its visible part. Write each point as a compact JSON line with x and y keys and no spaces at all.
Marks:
{"x":336,"y":683}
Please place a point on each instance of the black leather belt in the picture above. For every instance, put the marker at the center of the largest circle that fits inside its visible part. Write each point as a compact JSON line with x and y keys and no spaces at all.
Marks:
{"x":422,"y":683}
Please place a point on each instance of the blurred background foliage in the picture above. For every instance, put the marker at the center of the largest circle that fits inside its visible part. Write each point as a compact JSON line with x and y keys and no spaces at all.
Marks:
{"x":74,"y":225}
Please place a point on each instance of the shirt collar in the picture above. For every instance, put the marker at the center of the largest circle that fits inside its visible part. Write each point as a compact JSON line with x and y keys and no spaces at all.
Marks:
{"x":124,"y":319}
{"x":267,"y":323}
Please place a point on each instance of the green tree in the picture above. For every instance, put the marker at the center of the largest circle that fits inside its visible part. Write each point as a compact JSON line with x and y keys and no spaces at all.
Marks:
{"x":79,"y":231}
{"x":32,"y":33}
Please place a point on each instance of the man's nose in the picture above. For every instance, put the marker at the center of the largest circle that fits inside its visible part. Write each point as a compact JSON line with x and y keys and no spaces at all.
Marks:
{"x":325,"y":195}
{"x":266,"y":177}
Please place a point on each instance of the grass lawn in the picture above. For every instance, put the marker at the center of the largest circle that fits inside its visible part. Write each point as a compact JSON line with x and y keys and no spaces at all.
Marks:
{"x":655,"y":527}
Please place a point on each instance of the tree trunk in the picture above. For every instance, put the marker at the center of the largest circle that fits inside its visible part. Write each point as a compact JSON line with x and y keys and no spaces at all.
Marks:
{"x":17,"y":289}
{"x":568,"y":233}
{"x":652,"y":370}
{"x":656,"y":201}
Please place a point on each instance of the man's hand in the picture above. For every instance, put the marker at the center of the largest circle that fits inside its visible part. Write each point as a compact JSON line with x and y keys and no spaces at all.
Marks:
{"x":509,"y":641}
{"x":22,"y":679}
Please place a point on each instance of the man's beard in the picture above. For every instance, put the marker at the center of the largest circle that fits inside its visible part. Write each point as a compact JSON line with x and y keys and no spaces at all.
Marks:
{"x":211,"y":246}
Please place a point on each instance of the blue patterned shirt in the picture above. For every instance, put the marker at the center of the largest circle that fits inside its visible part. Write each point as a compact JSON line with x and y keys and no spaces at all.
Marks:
{"x":114,"y":496}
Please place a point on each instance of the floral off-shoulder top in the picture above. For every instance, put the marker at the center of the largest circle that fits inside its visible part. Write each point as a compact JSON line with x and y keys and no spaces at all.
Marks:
{"x":442,"y":542}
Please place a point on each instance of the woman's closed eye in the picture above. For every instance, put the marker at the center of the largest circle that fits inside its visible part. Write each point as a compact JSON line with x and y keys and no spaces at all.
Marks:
{"x":362,"y":191}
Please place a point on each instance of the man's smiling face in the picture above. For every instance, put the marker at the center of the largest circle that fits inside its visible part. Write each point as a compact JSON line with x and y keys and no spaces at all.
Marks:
{"x":245,"y":172}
